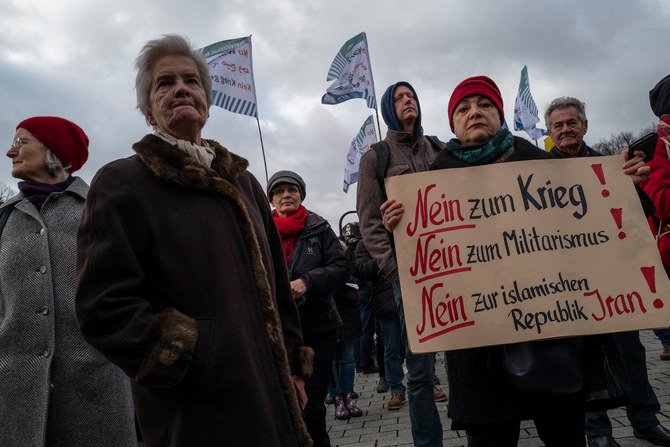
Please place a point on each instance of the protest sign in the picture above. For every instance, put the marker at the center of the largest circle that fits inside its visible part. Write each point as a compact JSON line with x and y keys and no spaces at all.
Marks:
{"x":523,"y":251}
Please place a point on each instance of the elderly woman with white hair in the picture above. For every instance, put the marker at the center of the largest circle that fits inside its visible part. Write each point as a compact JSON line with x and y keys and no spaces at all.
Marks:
{"x":182,"y":279}
{"x":55,"y":389}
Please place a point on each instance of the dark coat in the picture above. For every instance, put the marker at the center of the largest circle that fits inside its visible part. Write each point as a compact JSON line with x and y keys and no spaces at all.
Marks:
{"x":346,"y":299}
{"x":478,"y":392}
{"x":318,"y":260}
{"x":183,"y":284}
{"x":382,"y":300}
{"x":55,"y":388}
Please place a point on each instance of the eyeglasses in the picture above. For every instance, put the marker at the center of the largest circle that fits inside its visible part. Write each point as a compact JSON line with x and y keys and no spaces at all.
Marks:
{"x":280,"y":191}
{"x":18,"y":142}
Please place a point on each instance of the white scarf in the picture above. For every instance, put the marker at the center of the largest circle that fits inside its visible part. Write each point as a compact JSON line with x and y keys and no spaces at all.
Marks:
{"x":203,"y":154}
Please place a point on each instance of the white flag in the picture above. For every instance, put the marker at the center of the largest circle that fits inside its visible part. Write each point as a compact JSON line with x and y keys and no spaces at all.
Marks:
{"x":352,"y":74}
{"x":359,"y":145}
{"x":232,"y":75}
{"x":525,"y":110}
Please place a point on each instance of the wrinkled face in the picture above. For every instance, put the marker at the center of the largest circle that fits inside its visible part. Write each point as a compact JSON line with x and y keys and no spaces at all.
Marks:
{"x":406,"y":108}
{"x":286,"y":198}
{"x":28,"y":156}
{"x":177,"y":103}
{"x":476,"y":120}
{"x":567,"y":129}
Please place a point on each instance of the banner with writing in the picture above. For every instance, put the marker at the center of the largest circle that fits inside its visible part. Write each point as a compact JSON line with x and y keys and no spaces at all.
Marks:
{"x":365,"y":138}
{"x":352,"y":74}
{"x":230,"y":67}
{"x":522,"y":251}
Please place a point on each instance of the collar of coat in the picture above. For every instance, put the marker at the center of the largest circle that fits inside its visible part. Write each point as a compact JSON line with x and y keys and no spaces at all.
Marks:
{"x":173,"y":164}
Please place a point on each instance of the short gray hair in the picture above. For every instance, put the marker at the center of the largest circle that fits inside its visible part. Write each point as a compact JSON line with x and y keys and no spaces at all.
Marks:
{"x":152,"y":51}
{"x":53,"y":164}
{"x":563,"y":103}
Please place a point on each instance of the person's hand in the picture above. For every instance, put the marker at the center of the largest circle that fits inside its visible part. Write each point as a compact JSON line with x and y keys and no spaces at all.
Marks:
{"x":299,"y":384}
{"x":635,"y":167}
{"x":298,"y":288}
{"x":392,"y":211}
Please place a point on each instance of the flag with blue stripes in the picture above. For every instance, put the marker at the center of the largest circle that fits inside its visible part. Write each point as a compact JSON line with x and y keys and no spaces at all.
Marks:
{"x":231,"y":70}
{"x":359,"y":145}
{"x":352,"y":74}
{"x":526,"y":115}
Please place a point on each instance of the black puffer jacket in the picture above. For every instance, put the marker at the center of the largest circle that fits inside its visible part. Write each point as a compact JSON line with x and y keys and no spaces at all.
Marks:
{"x":319,"y":260}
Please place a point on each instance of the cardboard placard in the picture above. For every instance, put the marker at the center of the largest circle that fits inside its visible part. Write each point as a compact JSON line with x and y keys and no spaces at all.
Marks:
{"x":523,"y":251}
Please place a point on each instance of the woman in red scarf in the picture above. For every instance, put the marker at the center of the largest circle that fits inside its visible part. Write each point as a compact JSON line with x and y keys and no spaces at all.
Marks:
{"x":317,"y":267}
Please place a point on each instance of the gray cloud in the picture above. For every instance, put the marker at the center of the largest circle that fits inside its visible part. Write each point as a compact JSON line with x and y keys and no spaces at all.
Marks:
{"x":75,"y":59}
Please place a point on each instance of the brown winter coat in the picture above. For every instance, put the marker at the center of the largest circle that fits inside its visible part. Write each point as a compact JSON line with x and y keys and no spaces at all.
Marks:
{"x":183,"y":284}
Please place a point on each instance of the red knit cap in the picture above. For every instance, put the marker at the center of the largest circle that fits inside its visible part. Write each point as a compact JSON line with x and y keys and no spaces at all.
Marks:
{"x":476,"y":85}
{"x":64,"y":138}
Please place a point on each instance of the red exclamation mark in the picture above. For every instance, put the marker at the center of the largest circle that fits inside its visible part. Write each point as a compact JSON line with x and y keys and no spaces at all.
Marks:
{"x":598,"y":170}
{"x":616,"y":215}
{"x":649,"y":274}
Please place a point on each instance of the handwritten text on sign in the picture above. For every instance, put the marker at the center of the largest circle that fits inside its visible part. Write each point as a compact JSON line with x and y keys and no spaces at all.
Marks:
{"x":528,"y":250}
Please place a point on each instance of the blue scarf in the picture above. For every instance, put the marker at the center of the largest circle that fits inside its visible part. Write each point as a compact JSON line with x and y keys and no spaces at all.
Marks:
{"x":482,"y":154}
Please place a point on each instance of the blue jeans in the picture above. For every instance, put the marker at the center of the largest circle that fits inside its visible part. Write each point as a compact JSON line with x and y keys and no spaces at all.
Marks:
{"x":390,"y":338}
{"x":426,"y":424}
{"x":664,"y":336}
{"x":343,"y":367}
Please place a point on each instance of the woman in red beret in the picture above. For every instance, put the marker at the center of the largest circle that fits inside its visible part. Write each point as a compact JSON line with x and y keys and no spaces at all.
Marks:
{"x":55,"y":388}
{"x":482,"y":401}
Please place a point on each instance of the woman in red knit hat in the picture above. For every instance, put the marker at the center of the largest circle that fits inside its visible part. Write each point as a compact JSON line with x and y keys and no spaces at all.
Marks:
{"x":481,"y":399}
{"x":55,"y":388}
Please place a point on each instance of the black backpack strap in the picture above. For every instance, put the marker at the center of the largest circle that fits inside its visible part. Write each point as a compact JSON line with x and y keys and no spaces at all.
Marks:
{"x":4,"y":215}
{"x":382,"y":151}
{"x":437,"y":144}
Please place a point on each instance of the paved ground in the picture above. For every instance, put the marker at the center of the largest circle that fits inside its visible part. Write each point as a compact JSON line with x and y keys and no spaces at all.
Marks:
{"x":379,"y":427}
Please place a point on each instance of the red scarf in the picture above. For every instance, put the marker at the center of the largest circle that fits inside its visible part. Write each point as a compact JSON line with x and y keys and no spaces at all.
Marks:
{"x":289,"y":228}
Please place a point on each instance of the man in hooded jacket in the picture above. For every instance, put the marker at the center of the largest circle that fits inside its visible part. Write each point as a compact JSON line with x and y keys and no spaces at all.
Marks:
{"x":409,"y":151}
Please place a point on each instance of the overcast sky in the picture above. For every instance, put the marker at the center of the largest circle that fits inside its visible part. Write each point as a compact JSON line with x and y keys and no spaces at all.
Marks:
{"x":74,"y":58}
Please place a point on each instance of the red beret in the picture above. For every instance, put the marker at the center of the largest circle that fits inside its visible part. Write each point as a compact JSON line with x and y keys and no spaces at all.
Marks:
{"x":476,"y":85}
{"x":64,"y":138}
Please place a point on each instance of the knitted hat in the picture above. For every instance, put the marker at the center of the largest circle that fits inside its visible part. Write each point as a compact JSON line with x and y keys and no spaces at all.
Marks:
{"x":659,"y":97}
{"x":286,"y":177}
{"x":476,"y":85}
{"x":388,"y":108}
{"x":64,"y":138}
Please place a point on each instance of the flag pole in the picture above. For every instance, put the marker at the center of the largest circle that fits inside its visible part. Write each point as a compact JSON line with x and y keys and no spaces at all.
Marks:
{"x":265,"y":164}
{"x":365,"y":36}
{"x":377,"y":113}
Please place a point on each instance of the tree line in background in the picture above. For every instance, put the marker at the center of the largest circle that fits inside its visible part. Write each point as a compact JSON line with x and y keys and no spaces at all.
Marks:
{"x":619,"y":141}
{"x":6,"y":192}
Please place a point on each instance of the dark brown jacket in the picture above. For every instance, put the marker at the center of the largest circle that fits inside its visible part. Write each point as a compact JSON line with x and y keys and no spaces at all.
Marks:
{"x":182,"y":283}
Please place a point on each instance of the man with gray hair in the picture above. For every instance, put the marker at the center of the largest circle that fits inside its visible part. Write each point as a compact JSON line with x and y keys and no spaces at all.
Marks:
{"x":566,"y":122}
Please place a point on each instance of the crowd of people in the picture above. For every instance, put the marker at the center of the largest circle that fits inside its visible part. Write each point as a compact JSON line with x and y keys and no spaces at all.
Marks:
{"x":177,"y":302}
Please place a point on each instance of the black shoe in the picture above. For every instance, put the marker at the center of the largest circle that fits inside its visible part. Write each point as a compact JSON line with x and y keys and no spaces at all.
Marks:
{"x":601,"y":441}
{"x":353,"y":395}
{"x":657,"y":435}
{"x":382,"y":386}
{"x":329,"y":400}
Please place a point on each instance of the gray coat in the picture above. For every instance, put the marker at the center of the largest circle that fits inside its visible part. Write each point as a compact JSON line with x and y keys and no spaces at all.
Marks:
{"x":55,"y":389}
